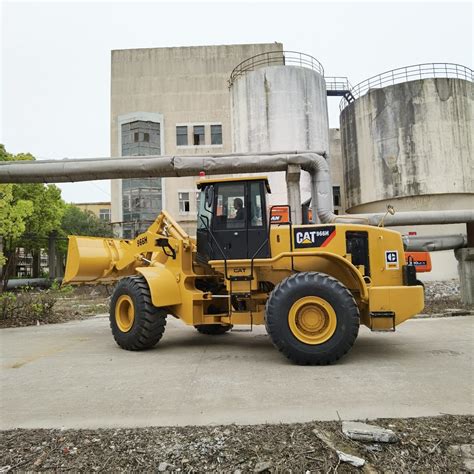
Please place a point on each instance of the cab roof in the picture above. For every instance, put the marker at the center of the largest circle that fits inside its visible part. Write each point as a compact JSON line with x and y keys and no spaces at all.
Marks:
{"x":233,"y":179}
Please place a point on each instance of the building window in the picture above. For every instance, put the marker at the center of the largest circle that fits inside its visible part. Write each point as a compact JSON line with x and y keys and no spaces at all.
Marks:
{"x":104,"y":215}
{"x":198,"y":135}
{"x":216,"y":134}
{"x":183,"y":199}
{"x":181,"y":135}
{"x":141,"y":137}
{"x":336,"y":195}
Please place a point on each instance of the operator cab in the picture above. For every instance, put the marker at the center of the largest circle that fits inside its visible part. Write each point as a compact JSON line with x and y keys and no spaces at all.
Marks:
{"x":232,"y":219}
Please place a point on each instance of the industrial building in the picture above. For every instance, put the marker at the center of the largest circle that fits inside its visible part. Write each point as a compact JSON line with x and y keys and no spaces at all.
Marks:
{"x":405,"y":136}
{"x":101,"y":210}
{"x":170,"y":101}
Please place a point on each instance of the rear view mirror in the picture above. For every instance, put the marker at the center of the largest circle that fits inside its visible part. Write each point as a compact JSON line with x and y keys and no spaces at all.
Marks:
{"x":209,"y":195}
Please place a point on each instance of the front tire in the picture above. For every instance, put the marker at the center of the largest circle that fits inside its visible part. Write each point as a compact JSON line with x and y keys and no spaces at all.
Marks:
{"x":136,"y":324}
{"x":312,"y":318}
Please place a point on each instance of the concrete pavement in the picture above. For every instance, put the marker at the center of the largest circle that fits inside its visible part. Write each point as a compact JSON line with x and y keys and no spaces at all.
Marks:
{"x":73,"y":375}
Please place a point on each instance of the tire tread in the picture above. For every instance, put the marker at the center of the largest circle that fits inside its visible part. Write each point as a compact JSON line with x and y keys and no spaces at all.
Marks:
{"x":150,"y":321}
{"x":282,"y":291}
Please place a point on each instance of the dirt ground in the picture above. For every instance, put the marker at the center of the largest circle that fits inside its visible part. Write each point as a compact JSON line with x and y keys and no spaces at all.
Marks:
{"x":425,"y":445}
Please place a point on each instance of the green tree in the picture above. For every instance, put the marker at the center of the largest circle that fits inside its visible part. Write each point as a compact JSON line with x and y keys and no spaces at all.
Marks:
{"x":48,"y":210}
{"x":75,"y":221}
{"x":45,"y":210}
{"x":12,"y":218}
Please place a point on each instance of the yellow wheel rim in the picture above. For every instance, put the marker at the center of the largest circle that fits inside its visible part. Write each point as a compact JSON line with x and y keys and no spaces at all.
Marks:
{"x":124,"y":313}
{"x":312,"y":320}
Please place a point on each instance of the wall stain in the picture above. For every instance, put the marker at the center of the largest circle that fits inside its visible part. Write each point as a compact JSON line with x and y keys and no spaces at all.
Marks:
{"x":306,"y":113}
{"x":350,"y":151}
{"x":443,"y":88}
{"x":267,"y":88}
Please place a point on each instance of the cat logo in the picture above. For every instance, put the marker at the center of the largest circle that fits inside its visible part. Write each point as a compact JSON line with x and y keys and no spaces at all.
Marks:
{"x":239,"y":270}
{"x":391,"y":259}
{"x":314,"y":236}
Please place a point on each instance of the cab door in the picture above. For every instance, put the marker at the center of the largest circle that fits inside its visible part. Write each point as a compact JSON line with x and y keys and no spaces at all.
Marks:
{"x":257,"y":234}
{"x":229,"y":225}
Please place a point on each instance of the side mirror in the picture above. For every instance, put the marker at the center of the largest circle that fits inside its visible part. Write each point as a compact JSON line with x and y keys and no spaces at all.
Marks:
{"x":391,"y":211}
{"x":209,"y":196}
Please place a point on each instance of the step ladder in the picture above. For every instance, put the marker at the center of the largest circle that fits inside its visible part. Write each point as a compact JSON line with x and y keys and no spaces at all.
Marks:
{"x":248,"y":295}
{"x":382,"y":321}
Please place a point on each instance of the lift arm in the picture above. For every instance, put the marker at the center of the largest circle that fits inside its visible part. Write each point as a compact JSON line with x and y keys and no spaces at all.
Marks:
{"x":94,"y":259}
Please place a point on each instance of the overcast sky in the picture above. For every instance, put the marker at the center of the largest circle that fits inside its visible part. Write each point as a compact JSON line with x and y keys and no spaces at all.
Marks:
{"x":55,"y":90}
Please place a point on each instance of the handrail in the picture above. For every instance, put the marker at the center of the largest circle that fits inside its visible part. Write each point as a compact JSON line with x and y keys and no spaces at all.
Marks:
{"x":407,"y":74}
{"x":276,"y":58}
{"x":337,"y":83}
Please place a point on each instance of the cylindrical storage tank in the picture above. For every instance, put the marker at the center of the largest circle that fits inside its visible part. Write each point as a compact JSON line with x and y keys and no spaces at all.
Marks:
{"x":280,"y":107}
{"x":409,"y":144}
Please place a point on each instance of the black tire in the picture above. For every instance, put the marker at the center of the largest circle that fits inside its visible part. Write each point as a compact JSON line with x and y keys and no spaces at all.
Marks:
{"x":213,"y":329}
{"x":335,"y":294}
{"x":149,"y":321}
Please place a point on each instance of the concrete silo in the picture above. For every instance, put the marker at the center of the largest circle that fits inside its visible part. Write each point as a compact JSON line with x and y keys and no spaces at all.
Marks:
{"x":407,"y":141}
{"x":278,"y":102}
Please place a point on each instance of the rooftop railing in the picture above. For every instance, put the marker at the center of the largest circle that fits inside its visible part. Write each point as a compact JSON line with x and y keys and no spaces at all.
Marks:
{"x":407,"y":74}
{"x":276,"y":58}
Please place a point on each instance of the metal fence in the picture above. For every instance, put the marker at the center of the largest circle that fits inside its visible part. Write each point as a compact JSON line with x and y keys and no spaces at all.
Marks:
{"x":276,"y":58}
{"x":409,"y":73}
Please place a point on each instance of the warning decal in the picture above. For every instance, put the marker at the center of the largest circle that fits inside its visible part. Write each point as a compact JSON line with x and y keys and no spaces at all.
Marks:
{"x":310,"y":237}
{"x":391,"y":259}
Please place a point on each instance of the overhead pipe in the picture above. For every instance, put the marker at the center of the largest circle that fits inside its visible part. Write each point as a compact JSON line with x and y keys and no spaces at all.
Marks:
{"x":72,"y":170}
{"x":434,"y":243}
{"x":410,"y":218}
{"x":16,"y":283}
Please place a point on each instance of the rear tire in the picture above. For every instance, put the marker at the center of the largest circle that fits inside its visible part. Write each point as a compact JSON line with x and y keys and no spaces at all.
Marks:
{"x":213,"y":329}
{"x":312,"y":318}
{"x":136,"y":324}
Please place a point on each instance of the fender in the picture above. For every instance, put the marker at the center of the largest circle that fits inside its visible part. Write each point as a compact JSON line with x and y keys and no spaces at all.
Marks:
{"x":348,"y":271}
{"x":163,"y":286}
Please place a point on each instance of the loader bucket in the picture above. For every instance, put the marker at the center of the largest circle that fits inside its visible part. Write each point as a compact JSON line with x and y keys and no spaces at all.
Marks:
{"x":91,"y":258}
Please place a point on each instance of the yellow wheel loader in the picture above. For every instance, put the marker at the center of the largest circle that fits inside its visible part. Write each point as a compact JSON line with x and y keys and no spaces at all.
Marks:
{"x":311,"y":285}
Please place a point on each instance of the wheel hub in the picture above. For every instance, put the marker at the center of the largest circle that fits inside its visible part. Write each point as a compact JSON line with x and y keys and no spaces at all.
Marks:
{"x":312,"y":320}
{"x":124,"y":313}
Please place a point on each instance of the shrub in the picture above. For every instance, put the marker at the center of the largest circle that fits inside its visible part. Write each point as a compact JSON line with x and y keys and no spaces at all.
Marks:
{"x":7,"y":305}
{"x":27,"y":306}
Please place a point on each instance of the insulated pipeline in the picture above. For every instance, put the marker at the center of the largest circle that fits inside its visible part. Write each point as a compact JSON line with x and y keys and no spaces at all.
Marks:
{"x":314,"y":162}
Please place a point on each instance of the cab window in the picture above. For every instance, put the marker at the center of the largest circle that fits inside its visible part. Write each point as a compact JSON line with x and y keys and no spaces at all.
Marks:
{"x":256,"y":211}
{"x":205,"y":202}
{"x":231,"y":206}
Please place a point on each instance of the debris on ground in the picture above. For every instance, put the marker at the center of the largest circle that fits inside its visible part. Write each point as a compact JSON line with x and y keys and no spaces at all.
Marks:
{"x":432,"y":444}
{"x":466,"y":452}
{"x":443,"y":298}
{"x":365,"y":432}
{"x":350,"y":459}
{"x":262,"y":467}
{"x":64,"y":304}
